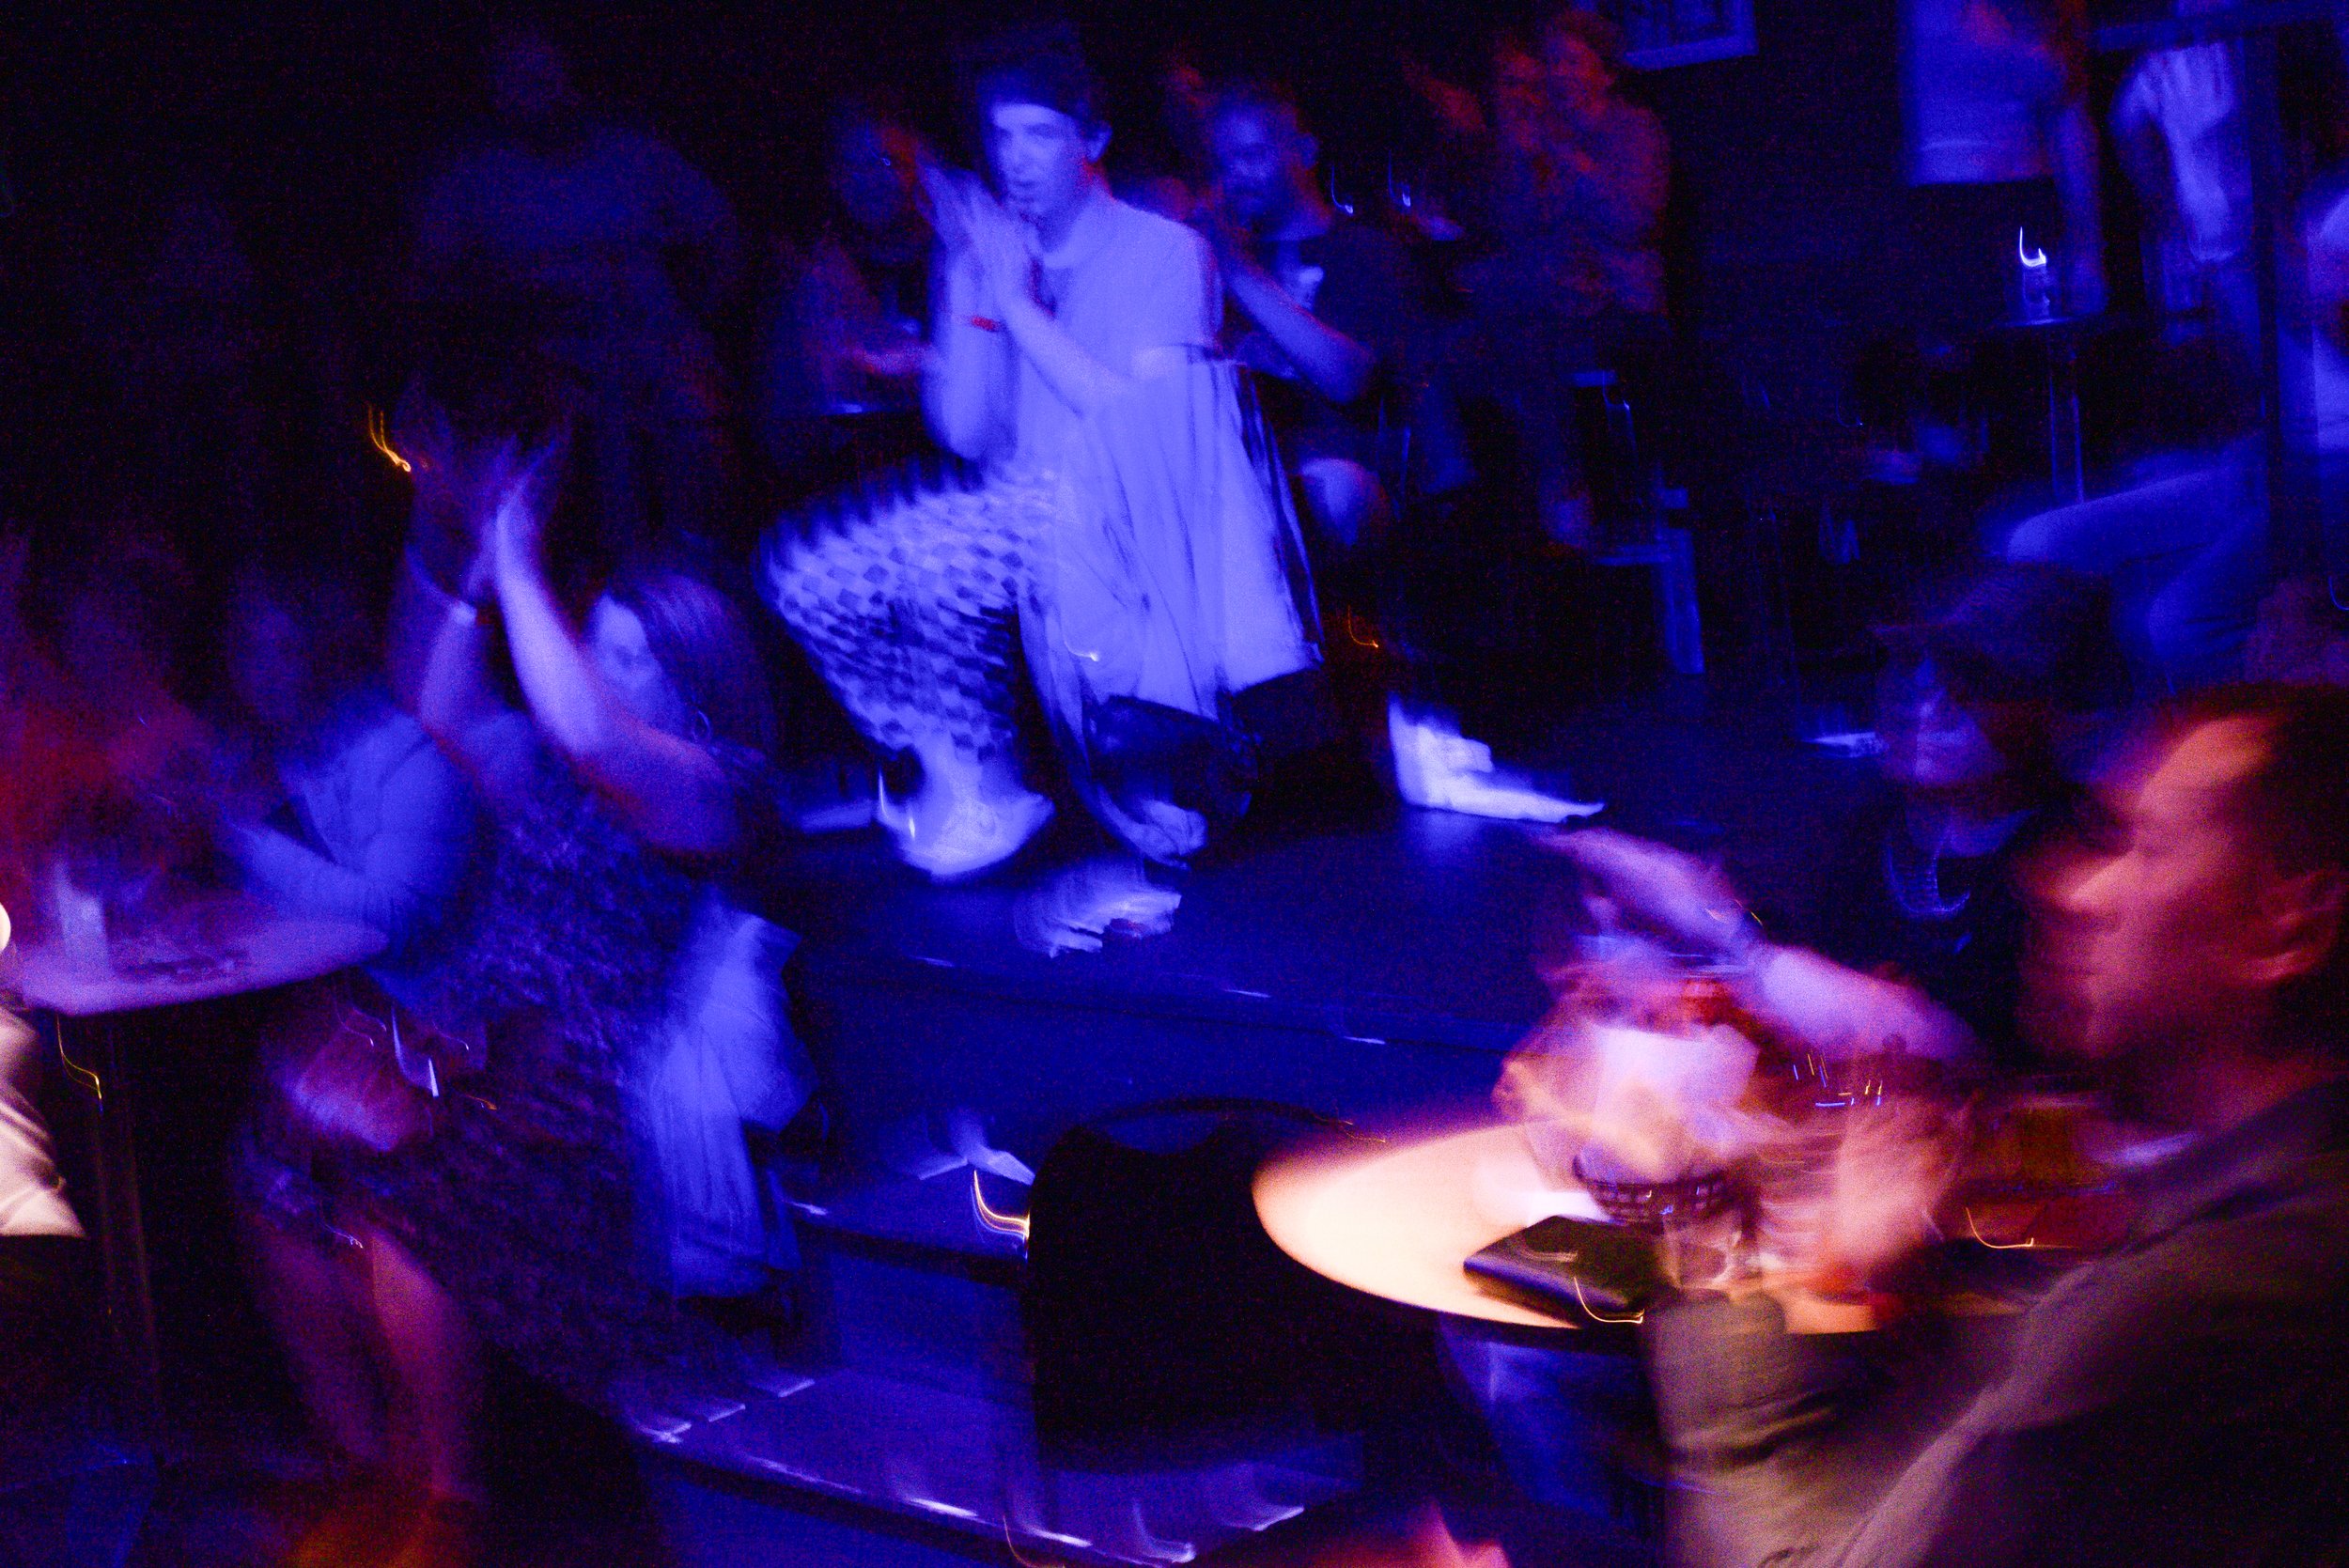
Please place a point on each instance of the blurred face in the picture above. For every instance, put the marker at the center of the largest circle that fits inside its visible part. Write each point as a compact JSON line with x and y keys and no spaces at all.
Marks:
{"x":615,"y":641}
{"x":1044,"y":158}
{"x":1576,"y":78}
{"x":1516,"y":91}
{"x":1257,"y":158}
{"x":874,"y":172}
{"x":1932,"y":741}
{"x":2147,"y":940}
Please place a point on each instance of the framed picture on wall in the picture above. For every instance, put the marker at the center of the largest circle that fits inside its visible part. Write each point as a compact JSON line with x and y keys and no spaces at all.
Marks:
{"x":1659,"y":32}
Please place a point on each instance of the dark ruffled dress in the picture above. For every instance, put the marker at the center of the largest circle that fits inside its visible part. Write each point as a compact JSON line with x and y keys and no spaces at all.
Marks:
{"x":524,"y":1200}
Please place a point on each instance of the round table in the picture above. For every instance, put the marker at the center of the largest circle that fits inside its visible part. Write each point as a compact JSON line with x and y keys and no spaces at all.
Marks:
{"x":1398,"y":1220}
{"x":258,"y":949}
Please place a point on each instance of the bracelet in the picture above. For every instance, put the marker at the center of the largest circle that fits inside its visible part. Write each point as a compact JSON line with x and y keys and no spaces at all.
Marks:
{"x":985,"y":323}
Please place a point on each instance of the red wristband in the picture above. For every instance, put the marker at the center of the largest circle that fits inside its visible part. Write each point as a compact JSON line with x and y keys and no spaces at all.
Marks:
{"x":986,"y":324}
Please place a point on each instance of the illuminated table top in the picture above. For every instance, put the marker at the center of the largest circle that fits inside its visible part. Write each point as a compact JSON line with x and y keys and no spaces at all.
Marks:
{"x":1397,"y":1221}
{"x":252,"y":948}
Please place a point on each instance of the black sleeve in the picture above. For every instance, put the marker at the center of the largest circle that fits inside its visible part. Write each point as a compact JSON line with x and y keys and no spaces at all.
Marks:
{"x":1365,"y":292}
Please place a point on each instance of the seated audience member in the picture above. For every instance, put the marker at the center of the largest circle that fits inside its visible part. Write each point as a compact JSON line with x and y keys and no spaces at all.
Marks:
{"x":1574,"y":184}
{"x":1983,"y":713}
{"x":850,"y":335}
{"x":1327,"y":317}
{"x":1141,"y":540}
{"x":342,"y":807}
{"x":346,"y":808}
{"x":2178,"y":1398}
{"x":1327,"y":321}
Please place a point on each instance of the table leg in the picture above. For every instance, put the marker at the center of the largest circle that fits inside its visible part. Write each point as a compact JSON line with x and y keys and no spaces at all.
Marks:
{"x":93,"y":1060}
{"x":2065,"y":461}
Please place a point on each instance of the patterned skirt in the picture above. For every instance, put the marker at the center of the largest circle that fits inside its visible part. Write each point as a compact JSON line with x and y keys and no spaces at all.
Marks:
{"x":907,"y":602}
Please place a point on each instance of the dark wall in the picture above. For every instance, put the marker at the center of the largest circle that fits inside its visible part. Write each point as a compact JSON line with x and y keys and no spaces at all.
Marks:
{"x":1798,"y":238}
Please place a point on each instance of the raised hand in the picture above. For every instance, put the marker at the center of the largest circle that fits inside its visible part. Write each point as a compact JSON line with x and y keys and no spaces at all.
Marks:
{"x":2195,"y":88}
{"x":947,"y":206}
{"x":1656,"y":889}
{"x":518,"y":491}
{"x":998,"y":242}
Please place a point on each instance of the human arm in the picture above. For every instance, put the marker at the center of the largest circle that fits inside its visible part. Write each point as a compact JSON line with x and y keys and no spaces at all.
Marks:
{"x":668,"y":792}
{"x":1837,"y":1011}
{"x":967,"y":390}
{"x":1339,"y":366}
{"x":2195,"y":95}
{"x":407,"y":868}
{"x":439,"y":647}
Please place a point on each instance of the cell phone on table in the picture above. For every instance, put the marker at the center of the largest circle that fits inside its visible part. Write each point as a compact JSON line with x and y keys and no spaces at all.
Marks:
{"x":1575,"y":1268}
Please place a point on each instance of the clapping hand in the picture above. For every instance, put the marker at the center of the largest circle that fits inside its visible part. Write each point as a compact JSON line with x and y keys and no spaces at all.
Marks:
{"x":516,"y":491}
{"x":1630,"y":881}
{"x":998,"y":242}
{"x":971,"y":223}
{"x":2195,"y":90}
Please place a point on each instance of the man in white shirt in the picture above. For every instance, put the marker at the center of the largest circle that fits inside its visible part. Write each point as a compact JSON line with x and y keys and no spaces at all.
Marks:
{"x":1067,"y":321}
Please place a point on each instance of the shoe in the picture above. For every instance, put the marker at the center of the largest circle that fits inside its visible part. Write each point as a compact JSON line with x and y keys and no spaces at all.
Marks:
{"x":1074,"y":910}
{"x":978,"y":833}
{"x":1437,"y":768}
